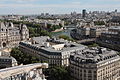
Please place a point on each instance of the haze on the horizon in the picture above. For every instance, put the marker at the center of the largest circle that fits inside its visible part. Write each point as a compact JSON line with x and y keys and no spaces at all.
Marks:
{"x":56,"y":6}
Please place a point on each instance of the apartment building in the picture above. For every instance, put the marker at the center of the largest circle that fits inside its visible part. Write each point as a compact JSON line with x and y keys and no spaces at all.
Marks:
{"x":111,"y":38}
{"x":54,"y":51}
{"x":95,"y":64}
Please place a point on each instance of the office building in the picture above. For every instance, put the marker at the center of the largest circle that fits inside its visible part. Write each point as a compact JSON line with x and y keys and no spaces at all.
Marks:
{"x":84,"y":13}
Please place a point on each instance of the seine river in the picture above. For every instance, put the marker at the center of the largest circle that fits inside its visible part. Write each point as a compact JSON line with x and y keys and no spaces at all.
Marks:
{"x":64,"y":32}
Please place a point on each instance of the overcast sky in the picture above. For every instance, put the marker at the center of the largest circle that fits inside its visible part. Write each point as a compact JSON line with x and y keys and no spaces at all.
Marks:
{"x":56,"y":6}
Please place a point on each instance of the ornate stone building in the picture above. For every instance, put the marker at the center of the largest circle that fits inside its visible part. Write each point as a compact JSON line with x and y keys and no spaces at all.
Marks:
{"x":111,"y":38}
{"x":95,"y":64}
{"x":55,"y":52}
{"x":11,"y":34}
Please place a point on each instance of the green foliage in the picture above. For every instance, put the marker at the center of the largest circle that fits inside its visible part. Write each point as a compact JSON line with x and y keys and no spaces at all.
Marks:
{"x":99,"y":23}
{"x":23,"y":58}
{"x":60,"y":25}
{"x":1,"y":20}
{"x":23,"y":17}
{"x":58,"y":73}
{"x":66,"y":38}
{"x":34,"y":32}
{"x":93,"y":45}
{"x":35,"y":29}
{"x":119,"y":53}
{"x":67,"y":23}
{"x":53,"y":27}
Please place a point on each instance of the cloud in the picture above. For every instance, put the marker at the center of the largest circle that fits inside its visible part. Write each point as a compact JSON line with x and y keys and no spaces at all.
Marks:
{"x":67,"y":5}
{"x":35,"y":6}
{"x":17,"y":1}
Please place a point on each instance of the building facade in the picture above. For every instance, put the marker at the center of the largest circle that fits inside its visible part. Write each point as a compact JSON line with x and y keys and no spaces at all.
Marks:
{"x":6,"y":60}
{"x":111,"y":38}
{"x":84,"y":13}
{"x":95,"y":64}
{"x":96,"y":31}
{"x":11,"y":35}
{"x":54,"y":51}
{"x":85,"y":32}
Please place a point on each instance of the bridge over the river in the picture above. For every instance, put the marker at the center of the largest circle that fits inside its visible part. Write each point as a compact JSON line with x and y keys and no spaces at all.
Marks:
{"x":67,"y":27}
{"x":86,"y":40}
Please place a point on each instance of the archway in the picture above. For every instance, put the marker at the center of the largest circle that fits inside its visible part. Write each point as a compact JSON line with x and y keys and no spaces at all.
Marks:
{"x":4,"y":44}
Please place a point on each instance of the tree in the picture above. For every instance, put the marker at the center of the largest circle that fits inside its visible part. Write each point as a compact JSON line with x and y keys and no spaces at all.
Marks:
{"x":53,"y":27}
{"x":23,"y":58}
{"x":93,"y":45}
{"x":66,"y":38}
{"x":58,"y":73}
{"x":36,"y":29}
{"x":99,"y":23}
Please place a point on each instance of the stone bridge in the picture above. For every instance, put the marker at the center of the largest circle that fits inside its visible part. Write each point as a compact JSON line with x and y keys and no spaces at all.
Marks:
{"x":86,"y":40}
{"x":67,"y":27}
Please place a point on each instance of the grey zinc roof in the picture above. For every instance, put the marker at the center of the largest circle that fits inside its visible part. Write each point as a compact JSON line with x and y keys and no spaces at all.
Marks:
{"x":41,"y":39}
{"x":49,"y":50}
{"x":115,"y":27}
{"x":95,"y":56}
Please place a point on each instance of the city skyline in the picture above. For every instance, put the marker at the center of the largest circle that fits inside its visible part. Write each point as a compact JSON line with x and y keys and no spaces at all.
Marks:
{"x":56,"y":7}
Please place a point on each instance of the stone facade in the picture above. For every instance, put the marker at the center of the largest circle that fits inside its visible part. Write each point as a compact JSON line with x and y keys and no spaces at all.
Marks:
{"x":111,"y":38}
{"x":54,"y":51}
{"x":96,"y":31}
{"x":6,"y":60}
{"x":11,"y":35}
{"x":95,"y":64}
{"x":89,"y":32}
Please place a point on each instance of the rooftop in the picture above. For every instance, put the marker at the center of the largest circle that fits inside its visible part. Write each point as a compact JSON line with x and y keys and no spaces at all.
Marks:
{"x":52,"y":45}
{"x":115,"y":27}
{"x":95,"y":55}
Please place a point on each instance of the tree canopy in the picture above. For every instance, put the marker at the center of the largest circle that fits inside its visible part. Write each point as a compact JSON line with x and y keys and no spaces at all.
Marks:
{"x":23,"y":58}
{"x":66,"y":37}
{"x":99,"y":23}
{"x":58,"y":73}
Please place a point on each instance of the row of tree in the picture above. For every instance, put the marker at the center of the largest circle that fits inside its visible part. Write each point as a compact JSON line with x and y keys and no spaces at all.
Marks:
{"x":54,"y":27}
{"x":99,"y":23}
{"x":34,"y":32}
{"x":58,"y":73}
{"x":36,"y":29}
{"x":23,"y":58}
{"x":66,"y":37}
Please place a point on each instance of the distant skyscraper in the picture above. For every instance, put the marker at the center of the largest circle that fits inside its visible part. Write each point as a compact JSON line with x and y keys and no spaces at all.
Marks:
{"x":84,"y":13}
{"x":115,"y":10}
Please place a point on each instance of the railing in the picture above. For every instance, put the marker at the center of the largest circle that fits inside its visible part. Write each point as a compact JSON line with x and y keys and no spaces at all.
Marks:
{"x":22,"y":71}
